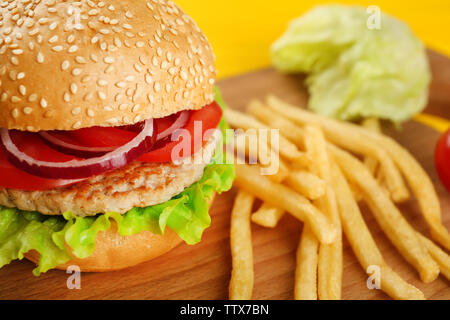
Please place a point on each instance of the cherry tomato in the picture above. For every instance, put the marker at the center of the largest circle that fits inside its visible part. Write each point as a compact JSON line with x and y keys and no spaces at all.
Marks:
{"x":442,"y":159}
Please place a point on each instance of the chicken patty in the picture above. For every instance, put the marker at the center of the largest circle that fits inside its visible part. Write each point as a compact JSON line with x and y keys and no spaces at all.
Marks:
{"x":139,"y":184}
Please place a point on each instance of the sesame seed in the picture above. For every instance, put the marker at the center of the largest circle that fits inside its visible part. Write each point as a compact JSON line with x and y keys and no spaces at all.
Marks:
{"x":70,"y":38}
{"x":130,"y":78}
{"x":109,"y":69}
{"x":148,"y":78}
{"x":102,"y":82}
{"x":40,"y":57}
{"x":43,"y":103}
{"x":172,"y":71}
{"x":123,"y":106}
{"x":157,"y":86}
{"x":90,"y":113}
{"x":80,"y":59}
{"x":94,"y":39}
{"x":57,"y":48}
{"x":109,"y":60}
{"x":88,"y":96}
{"x":20,"y":75}
{"x":15,"y":61}
{"x":101,"y":95}
{"x":15,"y":113}
{"x":77,"y":125}
{"x":128,"y":14}
{"x":143,"y":60}
{"x":76,"y":71}
{"x":137,"y":67}
{"x":65,"y":65}
{"x":135,"y":108}
{"x":32,"y":97}
{"x":53,"y":39}
{"x":17,"y":51}
{"x":121,"y":84}
{"x":66,"y":97}
{"x":73,"y":88}
{"x":73,"y":49}
{"x":94,"y":57}
{"x":76,"y":111}
{"x":53,"y":26}
{"x":27,"y":110}
{"x":4,"y":96}
{"x":13,"y":75}
{"x":22,"y":90}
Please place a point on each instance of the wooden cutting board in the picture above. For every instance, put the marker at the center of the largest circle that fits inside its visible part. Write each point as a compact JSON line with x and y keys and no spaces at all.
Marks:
{"x":203,"y":271}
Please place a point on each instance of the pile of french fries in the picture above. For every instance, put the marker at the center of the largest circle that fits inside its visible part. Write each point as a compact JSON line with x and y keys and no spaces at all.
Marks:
{"x":325,"y":168}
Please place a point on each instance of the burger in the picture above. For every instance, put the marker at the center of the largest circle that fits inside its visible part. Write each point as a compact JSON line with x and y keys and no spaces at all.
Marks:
{"x":110,"y":152}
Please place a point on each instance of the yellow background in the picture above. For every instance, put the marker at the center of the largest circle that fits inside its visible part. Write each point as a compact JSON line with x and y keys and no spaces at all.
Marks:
{"x":241,"y":31}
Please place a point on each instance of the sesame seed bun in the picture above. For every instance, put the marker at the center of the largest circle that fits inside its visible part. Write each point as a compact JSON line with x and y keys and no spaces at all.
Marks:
{"x":114,"y":252}
{"x":67,"y":65}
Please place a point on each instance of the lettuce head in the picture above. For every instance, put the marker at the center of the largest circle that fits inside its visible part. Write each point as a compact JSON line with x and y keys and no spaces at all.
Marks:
{"x":355,"y":71}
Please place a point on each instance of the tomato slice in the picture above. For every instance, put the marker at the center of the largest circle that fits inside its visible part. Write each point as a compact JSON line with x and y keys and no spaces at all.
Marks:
{"x":33,"y":145}
{"x":14,"y":178}
{"x":209,"y":117}
{"x":442,"y":159}
{"x":102,"y":137}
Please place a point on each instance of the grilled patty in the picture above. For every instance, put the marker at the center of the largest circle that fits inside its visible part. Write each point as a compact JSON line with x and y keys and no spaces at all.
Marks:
{"x":137,"y":185}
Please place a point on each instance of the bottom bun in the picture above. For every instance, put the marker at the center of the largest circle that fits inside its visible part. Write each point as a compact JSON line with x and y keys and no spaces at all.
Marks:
{"x":115,"y":252}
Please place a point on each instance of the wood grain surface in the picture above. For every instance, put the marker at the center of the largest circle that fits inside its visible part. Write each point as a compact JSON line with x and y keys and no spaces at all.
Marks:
{"x":203,"y":271}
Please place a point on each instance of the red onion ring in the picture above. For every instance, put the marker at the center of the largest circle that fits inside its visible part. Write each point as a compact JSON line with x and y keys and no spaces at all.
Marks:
{"x":73,"y":149}
{"x":79,"y":169}
{"x":181,"y":121}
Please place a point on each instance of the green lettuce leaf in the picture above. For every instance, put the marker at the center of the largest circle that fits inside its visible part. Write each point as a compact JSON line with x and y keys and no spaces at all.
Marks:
{"x":186,"y":214}
{"x":353,"y":71}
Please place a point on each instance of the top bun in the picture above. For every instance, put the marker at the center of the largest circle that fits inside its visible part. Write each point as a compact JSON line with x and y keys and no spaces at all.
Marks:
{"x":66,"y":65}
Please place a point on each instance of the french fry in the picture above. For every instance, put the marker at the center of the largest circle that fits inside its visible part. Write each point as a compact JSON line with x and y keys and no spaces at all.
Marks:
{"x":250,"y":179}
{"x":441,"y":257}
{"x":286,"y":148}
{"x":394,"y":225}
{"x":306,"y":183}
{"x":242,"y":279}
{"x":305,"y":287}
{"x":247,"y":143}
{"x":268,"y":216}
{"x":363,"y":245}
{"x":374,"y":125}
{"x":330,"y":255}
{"x":288,"y":129}
{"x":349,"y":137}
{"x":419,"y":182}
